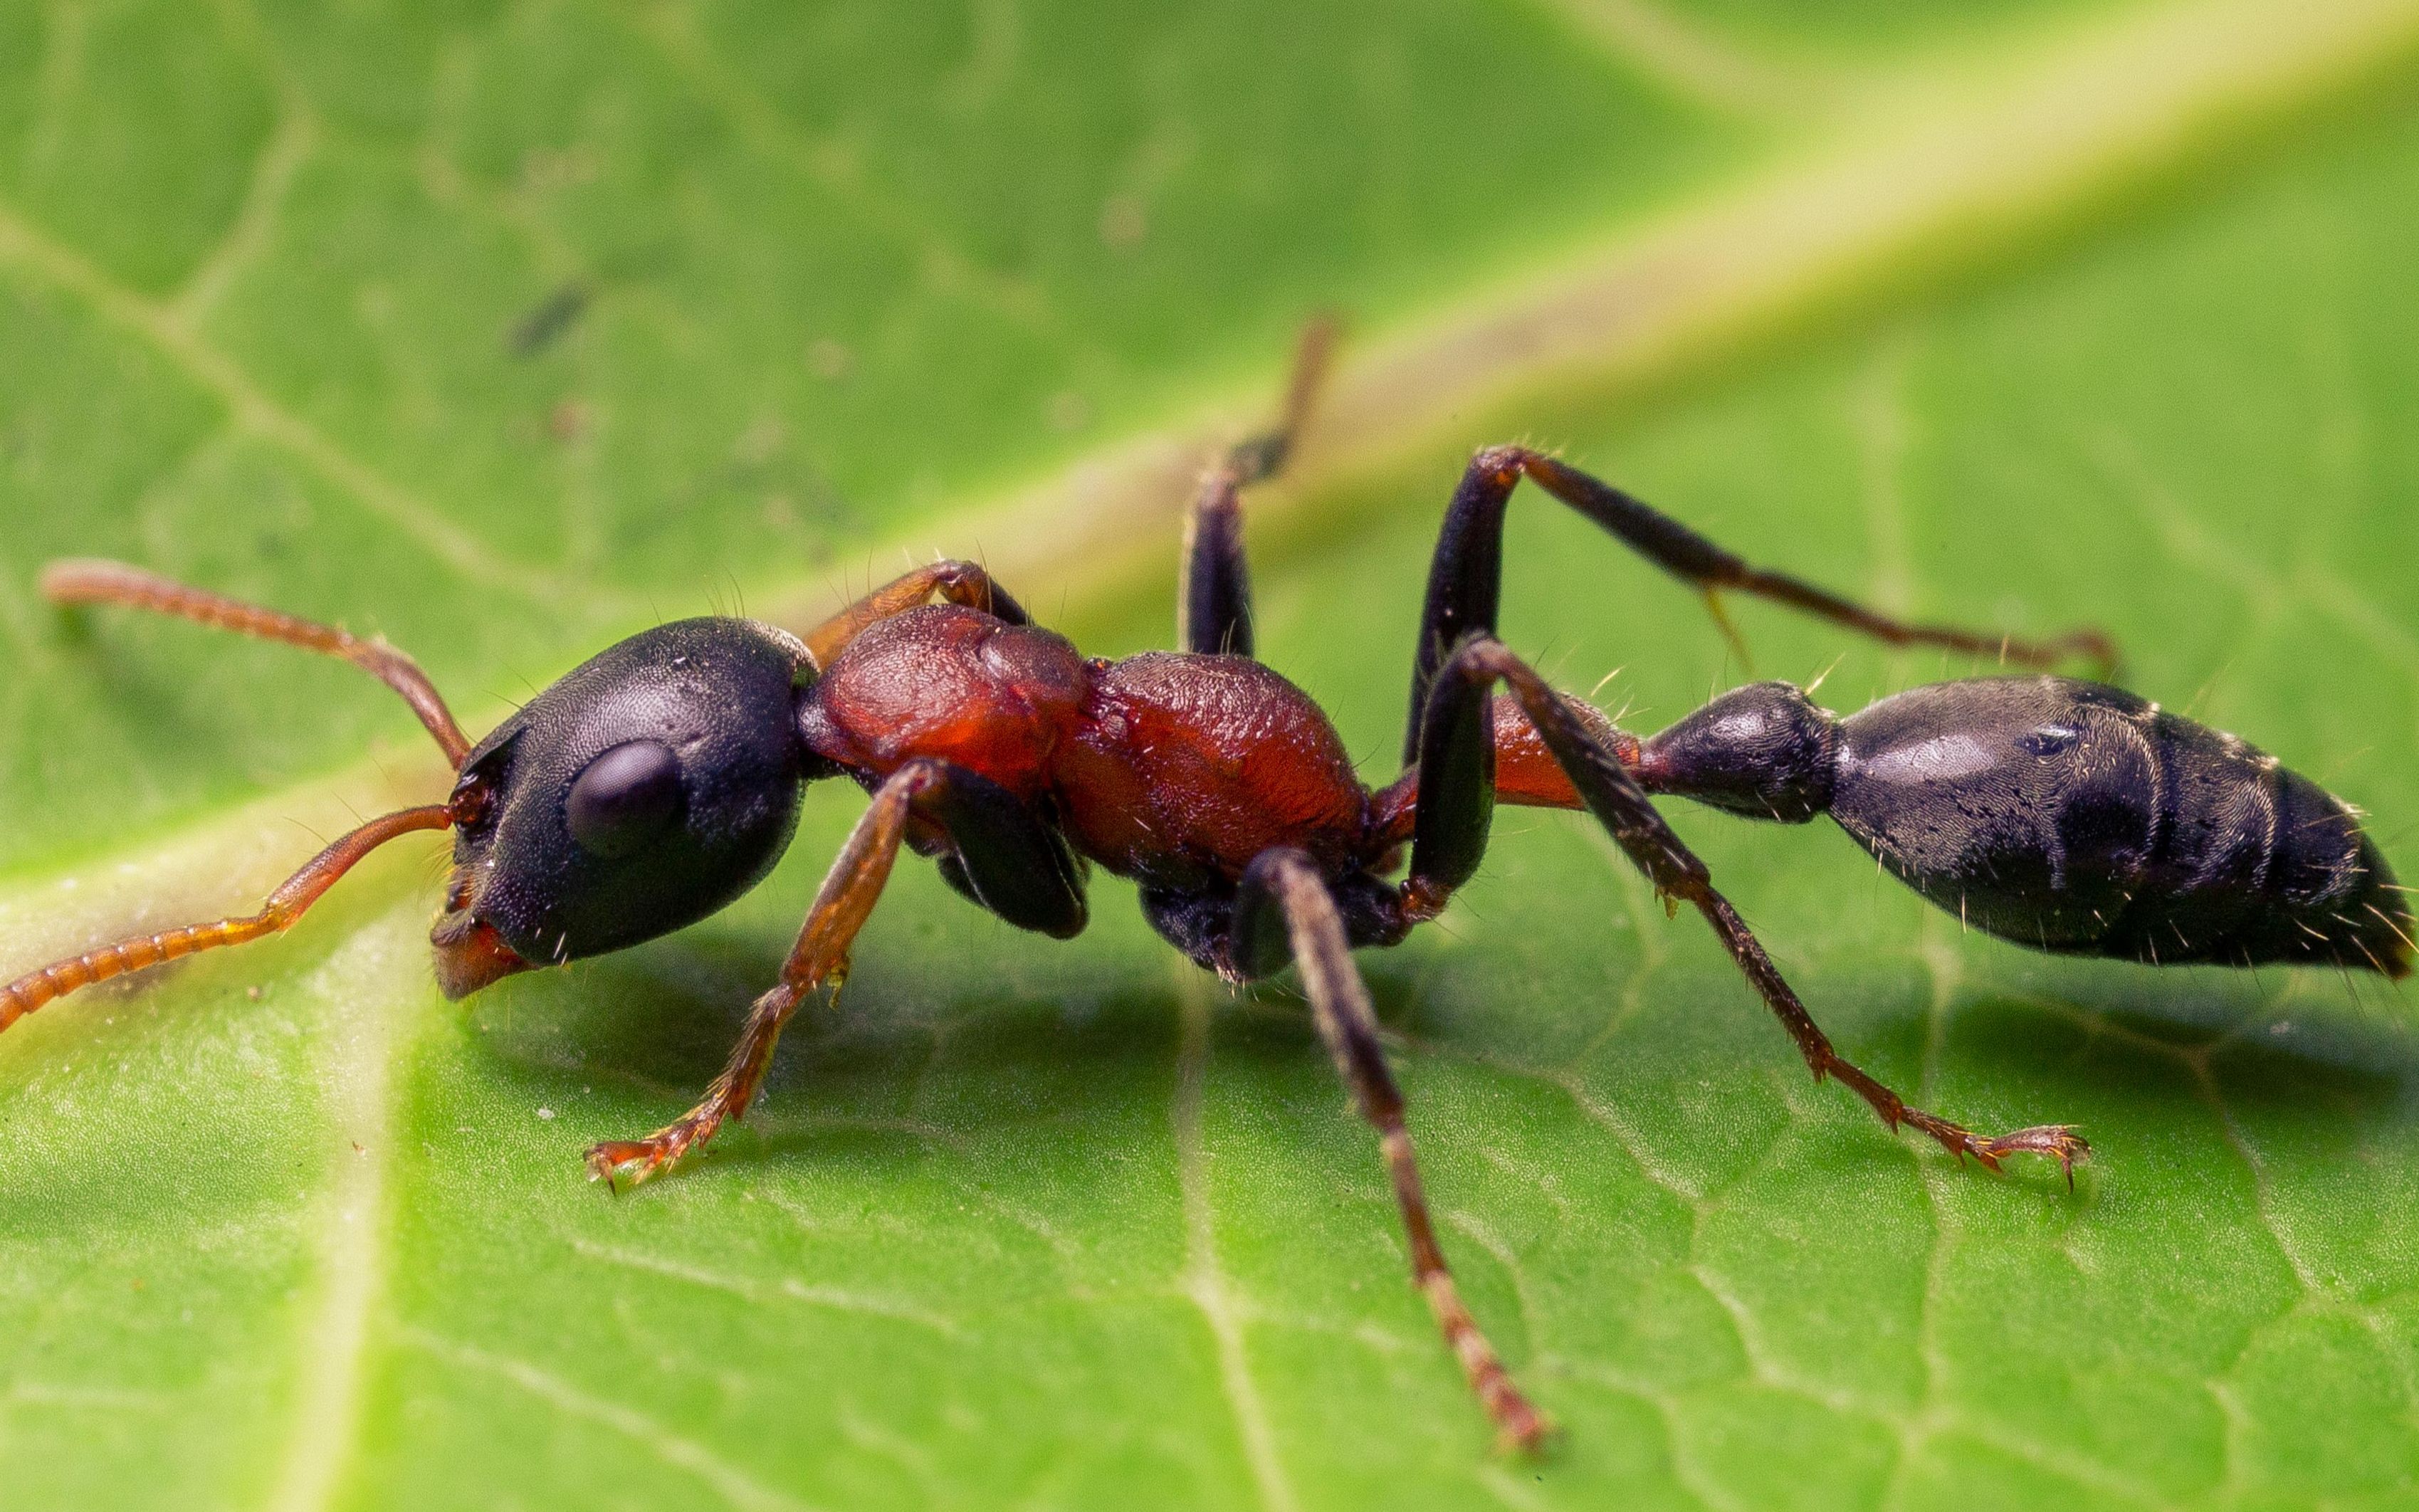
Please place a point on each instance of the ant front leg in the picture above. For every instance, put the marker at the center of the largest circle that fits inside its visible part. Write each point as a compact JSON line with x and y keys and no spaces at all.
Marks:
{"x":1456,"y":756}
{"x":1214,"y":609}
{"x":842,"y":906}
{"x":1283,"y":907}
{"x":1007,"y":859}
{"x":1466,"y":577}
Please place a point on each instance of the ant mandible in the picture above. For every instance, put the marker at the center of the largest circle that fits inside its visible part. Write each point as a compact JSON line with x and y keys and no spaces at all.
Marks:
{"x":659,"y":782}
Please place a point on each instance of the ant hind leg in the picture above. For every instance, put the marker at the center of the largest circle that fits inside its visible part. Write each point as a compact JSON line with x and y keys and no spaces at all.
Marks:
{"x":1614,"y":796}
{"x":1466,"y":576}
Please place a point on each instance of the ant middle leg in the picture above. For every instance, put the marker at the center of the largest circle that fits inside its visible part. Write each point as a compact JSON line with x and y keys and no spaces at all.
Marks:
{"x":1009,"y":861}
{"x":1457,"y":757}
{"x":996,"y":850}
{"x":1465,"y":578}
{"x":1214,"y":607}
{"x":1283,"y":907}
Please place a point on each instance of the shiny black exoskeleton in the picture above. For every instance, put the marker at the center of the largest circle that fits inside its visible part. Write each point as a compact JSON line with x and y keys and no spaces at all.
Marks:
{"x":643,"y":791}
{"x":2069,"y":816}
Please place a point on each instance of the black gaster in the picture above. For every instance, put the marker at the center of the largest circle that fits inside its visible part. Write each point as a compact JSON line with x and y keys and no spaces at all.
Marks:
{"x":2077,"y":818}
{"x":2028,"y":807}
{"x":2325,"y":893}
{"x":718,"y":695}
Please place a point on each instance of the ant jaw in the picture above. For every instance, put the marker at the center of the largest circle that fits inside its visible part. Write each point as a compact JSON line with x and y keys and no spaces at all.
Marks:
{"x":472,"y":955}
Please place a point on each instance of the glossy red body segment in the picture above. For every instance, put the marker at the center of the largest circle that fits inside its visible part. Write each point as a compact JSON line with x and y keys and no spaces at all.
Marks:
{"x":1169,"y":767}
{"x":1172,"y":768}
{"x":955,"y":684}
{"x":1186,"y":766}
{"x":1526,"y":772}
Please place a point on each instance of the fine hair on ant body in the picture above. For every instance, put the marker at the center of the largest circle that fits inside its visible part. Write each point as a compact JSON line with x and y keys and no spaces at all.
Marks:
{"x":657,"y":781}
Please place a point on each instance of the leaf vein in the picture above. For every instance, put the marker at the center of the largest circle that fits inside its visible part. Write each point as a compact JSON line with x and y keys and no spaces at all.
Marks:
{"x":1202,"y":1281}
{"x":733,"y":1485}
{"x":255,"y":409}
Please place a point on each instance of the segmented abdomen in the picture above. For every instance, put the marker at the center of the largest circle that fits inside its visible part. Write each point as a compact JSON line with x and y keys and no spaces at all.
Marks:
{"x":2077,"y":818}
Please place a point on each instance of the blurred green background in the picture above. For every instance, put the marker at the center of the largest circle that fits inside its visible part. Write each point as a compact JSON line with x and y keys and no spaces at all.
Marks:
{"x":507,"y":328}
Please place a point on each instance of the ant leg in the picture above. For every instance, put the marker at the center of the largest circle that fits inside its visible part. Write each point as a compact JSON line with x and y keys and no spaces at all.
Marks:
{"x":1465,"y":578}
{"x":962,"y":584}
{"x":1214,"y":612}
{"x":87,"y":581}
{"x":292,"y":898}
{"x":1475,"y":750}
{"x":1213,"y":616}
{"x":1525,"y":773}
{"x":1003,"y":856}
{"x":1283,"y":907}
{"x":1014,"y":863}
{"x":841,"y":905}
{"x":1621,"y":805}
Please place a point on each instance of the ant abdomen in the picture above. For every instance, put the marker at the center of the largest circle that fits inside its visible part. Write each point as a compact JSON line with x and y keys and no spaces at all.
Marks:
{"x":2077,"y":818}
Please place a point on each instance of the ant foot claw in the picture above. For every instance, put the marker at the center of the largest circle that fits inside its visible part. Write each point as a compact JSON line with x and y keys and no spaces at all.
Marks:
{"x":639,"y":1159}
{"x":1528,"y":1432}
{"x":2056,"y":1140}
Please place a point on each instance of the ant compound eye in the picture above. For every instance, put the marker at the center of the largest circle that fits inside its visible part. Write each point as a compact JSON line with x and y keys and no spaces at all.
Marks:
{"x":624,"y":798}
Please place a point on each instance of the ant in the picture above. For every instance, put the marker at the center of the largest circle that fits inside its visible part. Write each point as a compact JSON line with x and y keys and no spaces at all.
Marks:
{"x":659,"y":781}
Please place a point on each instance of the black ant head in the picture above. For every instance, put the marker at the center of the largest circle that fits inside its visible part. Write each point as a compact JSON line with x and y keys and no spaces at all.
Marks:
{"x":650,"y":786}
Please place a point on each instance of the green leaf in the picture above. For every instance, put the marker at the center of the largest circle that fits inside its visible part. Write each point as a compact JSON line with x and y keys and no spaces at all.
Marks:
{"x":503,"y":331}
